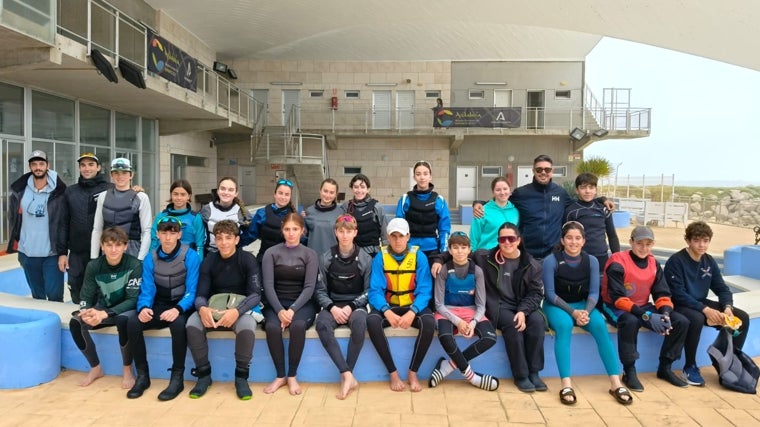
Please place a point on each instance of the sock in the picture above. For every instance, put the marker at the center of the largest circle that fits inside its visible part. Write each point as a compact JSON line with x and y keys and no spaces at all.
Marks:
{"x":444,"y":369}
{"x":485,"y":382}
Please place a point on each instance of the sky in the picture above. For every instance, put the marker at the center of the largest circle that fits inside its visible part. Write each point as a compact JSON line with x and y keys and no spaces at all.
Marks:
{"x":704,"y":119}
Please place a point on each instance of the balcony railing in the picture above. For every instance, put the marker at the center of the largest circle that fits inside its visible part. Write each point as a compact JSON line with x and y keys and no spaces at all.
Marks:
{"x":96,"y":23}
{"x":409,"y":119}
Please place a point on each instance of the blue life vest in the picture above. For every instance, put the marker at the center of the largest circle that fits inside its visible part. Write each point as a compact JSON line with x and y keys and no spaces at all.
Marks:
{"x":460,"y":291}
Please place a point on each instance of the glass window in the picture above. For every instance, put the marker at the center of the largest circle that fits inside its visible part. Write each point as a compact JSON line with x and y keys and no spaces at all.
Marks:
{"x":147,"y":178}
{"x":562,"y":94}
{"x":432,"y":94}
{"x":104,"y":154}
{"x":126,"y":131}
{"x":52,"y":117}
{"x":490,"y":171}
{"x":94,"y":125}
{"x":11,"y":109}
{"x":316,"y":93}
{"x":65,"y":162}
{"x":477,"y":94}
{"x":352,"y":170}
{"x":148,"y":135}
{"x":351,"y":94}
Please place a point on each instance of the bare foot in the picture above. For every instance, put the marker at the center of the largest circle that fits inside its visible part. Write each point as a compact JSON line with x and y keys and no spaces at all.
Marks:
{"x":396,"y":383}
{"x":347,"y":384}
{"x":414,"y":382}
{"x":127,"y":378}
{"x":93,"y":375}
{"x":275,"y":385}
{"x":293,"y":387}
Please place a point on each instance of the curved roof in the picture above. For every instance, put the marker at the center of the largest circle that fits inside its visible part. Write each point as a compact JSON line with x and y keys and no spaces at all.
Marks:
{"x":406,"y":30}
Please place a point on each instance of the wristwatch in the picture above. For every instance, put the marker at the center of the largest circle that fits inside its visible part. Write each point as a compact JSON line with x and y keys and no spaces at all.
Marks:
{"x":645,"y":317}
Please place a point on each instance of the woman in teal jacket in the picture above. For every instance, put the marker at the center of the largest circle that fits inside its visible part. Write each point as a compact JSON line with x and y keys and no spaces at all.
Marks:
{"x":499,"y":210}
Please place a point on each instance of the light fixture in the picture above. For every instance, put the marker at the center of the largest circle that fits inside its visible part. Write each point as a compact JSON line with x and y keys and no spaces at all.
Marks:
{"x":578,"y":134}
{"x":220,"y":67}
{"x":103,"y":66}
{"x":286,"y":83}
{"x":382,"y":84}
{"x":232,"y":73}
{"x":491,"y":83}
{"x":131,"y":73}
{"x":601,"y":133}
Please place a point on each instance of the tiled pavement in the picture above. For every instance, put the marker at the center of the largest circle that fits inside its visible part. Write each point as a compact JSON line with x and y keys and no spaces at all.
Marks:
{"x":454,"y":403}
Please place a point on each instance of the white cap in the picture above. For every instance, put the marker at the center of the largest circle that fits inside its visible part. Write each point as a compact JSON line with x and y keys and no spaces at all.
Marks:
{"x":121,"y":164}
{"x":398,"y":225}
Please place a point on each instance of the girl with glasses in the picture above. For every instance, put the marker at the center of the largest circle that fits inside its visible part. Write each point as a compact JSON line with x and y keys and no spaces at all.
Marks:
{"x":289,"y":272}
{"x":370,"y":217}
{"x":571,"y":278}
{"x":320,"y":218}
{"x":426,"y":212}
{"x":498,"y":210}
{"x":193,"y":229}
{"x":225,"y":206}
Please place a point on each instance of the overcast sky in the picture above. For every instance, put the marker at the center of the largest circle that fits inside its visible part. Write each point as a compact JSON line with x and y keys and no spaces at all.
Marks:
{"x":705,"y":114}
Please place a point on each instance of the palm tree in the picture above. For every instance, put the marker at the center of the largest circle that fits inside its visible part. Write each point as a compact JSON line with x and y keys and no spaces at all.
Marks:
{"x":599,"y":166}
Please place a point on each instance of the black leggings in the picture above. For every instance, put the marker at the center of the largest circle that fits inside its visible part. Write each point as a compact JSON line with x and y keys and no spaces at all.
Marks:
{"x":302,"y":320}
{"x":424,"y":321}
{"x":80,"y":333}
{"x":357,"y":323}
{"x":135,"y":330}
{"x":483,"y":329}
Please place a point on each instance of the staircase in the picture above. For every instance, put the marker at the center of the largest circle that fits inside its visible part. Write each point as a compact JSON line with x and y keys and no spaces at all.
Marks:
{"x":302,"y":156}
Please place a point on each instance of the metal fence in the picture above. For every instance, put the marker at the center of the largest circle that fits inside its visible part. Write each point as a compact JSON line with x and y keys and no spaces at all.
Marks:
{"x":742,"y":213}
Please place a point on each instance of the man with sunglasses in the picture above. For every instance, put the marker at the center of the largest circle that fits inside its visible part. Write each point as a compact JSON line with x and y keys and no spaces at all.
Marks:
{"x":78,"y":216}
{"x":541,"y":205}
{"x":35,"y":210}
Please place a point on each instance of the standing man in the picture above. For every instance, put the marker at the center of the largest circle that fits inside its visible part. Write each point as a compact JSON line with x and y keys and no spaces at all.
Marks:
{"x":35,"y":210}
{"x":74,"y":238}
{"x":123,"y":207}
{"x":541,"y":205}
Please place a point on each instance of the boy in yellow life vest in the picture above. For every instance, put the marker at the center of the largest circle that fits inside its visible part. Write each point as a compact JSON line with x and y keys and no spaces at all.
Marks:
{"x":400,"y":290}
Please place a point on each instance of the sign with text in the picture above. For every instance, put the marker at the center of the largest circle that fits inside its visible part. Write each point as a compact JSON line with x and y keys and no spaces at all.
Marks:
{"x":171,"y":62}
{"x":477,"y":117}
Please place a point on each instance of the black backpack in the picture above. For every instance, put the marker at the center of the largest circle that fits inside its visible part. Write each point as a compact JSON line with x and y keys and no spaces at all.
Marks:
{"x":736,"y":370}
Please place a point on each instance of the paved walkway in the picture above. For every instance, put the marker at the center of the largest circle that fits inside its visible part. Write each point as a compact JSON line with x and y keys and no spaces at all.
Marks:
{"x":454,"y":403}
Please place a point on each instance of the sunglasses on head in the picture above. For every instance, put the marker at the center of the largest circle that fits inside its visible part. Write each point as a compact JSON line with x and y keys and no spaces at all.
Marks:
{"x":285,"y":182}
{"x":459,"y":234}
{"x":510,"y":239}
{"x":170,"y":219}
{"x":346,"y":218}
{"x":544,"y":170}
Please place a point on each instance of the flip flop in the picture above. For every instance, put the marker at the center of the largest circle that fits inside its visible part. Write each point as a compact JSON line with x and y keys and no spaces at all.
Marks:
{"x":568,"y":392}
{"x":620,"y":395}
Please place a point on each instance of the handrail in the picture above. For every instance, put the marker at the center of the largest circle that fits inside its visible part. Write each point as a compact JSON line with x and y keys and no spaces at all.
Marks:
{"x":405,"y":119}
{"x":219,"y":94}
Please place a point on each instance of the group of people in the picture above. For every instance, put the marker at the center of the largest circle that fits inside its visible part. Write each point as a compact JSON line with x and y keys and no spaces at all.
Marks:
{"x":534,"y":256}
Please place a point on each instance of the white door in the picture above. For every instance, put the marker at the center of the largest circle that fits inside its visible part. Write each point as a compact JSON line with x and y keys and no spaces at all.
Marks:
{"x":291,"y":98}
{"x":524,"y":175}
{"x":467,"y":183}
{"x":405,"y":109}
{"x":502,"y":97}
{"x":247,"y":184}
{"x":381,"y":109}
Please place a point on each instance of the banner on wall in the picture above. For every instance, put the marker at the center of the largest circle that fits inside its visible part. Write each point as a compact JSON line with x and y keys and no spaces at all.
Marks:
{"x":477,"y":117}
{"x":171,"y":62}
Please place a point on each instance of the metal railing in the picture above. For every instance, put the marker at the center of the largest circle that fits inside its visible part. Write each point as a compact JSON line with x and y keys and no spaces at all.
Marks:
{"x":405,"y":119}
{"x":96,"y":23}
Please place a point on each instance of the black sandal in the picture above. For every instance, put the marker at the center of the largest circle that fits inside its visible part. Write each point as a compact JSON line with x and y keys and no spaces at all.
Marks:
{"x":620,"y":395}
{"x":568,"y":392}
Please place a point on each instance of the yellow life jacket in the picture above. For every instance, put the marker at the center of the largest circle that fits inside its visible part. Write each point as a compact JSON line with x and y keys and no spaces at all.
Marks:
{"x":400,"y":277}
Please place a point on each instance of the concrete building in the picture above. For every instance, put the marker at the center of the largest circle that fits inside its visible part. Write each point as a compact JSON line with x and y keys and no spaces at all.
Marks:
{"x":260,"y":90}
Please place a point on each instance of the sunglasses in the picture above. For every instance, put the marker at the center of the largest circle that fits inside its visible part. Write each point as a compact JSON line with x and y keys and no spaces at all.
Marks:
{"x":284,"y":182}
{"x":170,"y":219}
{"x":347,"y":218}
{"x":459,"y":234}
{"x":544,"y":170}
{"x":510,"y":239}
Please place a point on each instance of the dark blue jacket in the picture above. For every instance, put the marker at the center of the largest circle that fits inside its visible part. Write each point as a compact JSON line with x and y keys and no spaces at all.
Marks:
{"x":542,"y":209}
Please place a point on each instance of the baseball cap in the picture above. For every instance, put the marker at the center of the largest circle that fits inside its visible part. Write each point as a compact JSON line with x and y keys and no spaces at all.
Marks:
{"x":121,"y":164}
{"x":88,"y":156}
{"x":642,"y":232}
{"x":398,"y":225}
{"x":38,"y":154}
